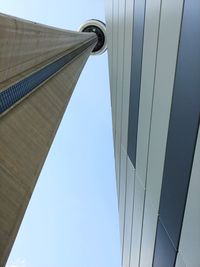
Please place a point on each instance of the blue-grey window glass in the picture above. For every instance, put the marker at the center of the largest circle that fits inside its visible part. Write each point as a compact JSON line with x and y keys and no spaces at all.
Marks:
{"x":17,"y":91}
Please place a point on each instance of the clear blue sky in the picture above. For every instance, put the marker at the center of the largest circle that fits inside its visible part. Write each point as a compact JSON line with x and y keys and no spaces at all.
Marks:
{"x":72,"y":218}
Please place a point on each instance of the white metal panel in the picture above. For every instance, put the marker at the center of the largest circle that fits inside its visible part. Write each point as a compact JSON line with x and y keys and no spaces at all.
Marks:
{"x":148,"y":234}
{"x":119,"y":17}
{"x":117,"y":167}
{"x":123,"y":97}
{"x":137,"y":223}
{"x":147,"y":85}
{"x":112,"y":39}
{"x":120,"y":69}
{"x":128,"y":213}
{"x":151,"y":29}
{"x":128,"y":24}
{"x":156,"y":91}
{"x":171,"y":14}
{"x":181,"y":263}
{"x":119,"y":92}
{"x":190,"y":235}
{"x":122,"y":197}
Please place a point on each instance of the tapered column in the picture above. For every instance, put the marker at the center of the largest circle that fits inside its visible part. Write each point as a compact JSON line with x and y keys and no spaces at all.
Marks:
{"x":39,"y":68}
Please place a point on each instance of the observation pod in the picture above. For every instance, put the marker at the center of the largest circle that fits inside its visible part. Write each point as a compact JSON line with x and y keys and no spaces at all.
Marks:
{"x":98,"y":27}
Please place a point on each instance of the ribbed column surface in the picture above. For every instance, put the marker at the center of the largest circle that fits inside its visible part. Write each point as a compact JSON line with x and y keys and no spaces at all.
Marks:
{"x":39,"y":68}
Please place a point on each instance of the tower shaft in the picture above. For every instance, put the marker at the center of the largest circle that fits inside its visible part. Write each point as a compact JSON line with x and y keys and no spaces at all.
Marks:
{"x":39,"y":68}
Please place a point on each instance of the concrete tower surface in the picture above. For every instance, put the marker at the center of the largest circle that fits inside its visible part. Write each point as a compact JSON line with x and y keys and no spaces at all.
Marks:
{"x":39,"y":68}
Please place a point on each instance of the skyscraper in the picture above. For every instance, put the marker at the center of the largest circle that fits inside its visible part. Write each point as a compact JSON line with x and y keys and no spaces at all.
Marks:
{"x":39,"y":68}
{"x":154,"y":62}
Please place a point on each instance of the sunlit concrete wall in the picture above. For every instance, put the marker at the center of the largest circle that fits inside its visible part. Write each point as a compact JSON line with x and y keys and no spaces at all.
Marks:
{"x":28,"y":125}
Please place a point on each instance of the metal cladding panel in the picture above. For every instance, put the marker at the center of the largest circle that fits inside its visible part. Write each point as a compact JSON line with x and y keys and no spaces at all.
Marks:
{"x":137,"y":223}
{"x":162,"y":22}
{"x":165,"y":253}
{"x":180,"y":262}
{"x":170,"y":22}
{"x":121,"y":159}
{"x":120,"y":15}
{"x":128,"y":23}
{"x":190,"y":234}
{"x":136,"y":69}
{"x":150,"y":217}
{"x":183,"y":126}
{"x":122,"y":199}
{"x":146,"y":93}
{"x":169,"y":32}
{"x":119,"y":77}
{"x":130,"y":188}
{"x":152,"y":16}
{"x":135,"y":76}
{"x":150,"y":47}
{"x":125,"y":27}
